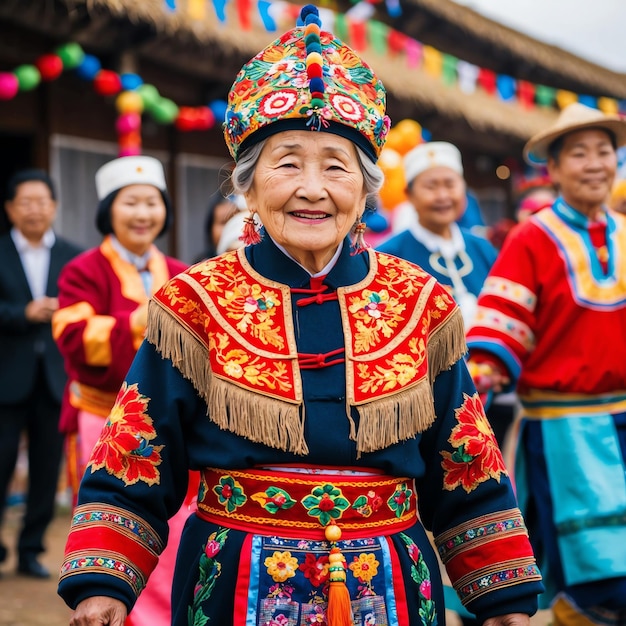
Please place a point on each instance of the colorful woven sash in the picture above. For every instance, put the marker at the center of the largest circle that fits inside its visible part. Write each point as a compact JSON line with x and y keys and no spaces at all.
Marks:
{"x":294,"y":504}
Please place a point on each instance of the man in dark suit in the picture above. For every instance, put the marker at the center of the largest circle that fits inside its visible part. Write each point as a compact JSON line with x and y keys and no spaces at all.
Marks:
{"x":32,"y":378}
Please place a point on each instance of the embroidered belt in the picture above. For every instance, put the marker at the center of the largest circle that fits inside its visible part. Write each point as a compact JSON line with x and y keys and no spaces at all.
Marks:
{"x":293,"y":504}
{"x":541,"y":404}
{"x":91,"y":399}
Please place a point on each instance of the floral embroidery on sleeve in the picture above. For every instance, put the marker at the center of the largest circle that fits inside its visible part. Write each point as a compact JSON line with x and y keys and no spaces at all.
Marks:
{"x":477,"y":456}
{"x":124,"y":447}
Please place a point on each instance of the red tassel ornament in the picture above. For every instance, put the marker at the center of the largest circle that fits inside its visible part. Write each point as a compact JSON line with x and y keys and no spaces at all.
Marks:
{"x":339,"y":610}
{"x":358,"y":243}
{"x":250,"y":234}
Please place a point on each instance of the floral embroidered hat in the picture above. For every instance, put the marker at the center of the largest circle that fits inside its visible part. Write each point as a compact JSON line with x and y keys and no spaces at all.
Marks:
{"x":307,"y":79}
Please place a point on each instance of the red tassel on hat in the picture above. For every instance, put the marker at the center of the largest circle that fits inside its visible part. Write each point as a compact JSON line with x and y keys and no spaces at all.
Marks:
{"x":339,"y":609}
{"x":250,"y":234}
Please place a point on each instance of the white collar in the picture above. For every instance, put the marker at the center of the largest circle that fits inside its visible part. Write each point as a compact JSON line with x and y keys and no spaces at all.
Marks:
{"x":22,"y":244}
{"x":448,"y":248}
{"x":139,"y":261}
{"x":329,"y":266}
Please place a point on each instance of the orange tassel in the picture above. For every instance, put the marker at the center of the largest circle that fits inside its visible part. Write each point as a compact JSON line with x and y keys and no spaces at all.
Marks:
{"x":339,"y":609}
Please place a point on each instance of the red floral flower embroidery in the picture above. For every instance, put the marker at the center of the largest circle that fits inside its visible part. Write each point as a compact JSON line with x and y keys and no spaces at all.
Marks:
{"x":316,"y":570}
{"x":477,"y":456}
{"x":124,"y":448}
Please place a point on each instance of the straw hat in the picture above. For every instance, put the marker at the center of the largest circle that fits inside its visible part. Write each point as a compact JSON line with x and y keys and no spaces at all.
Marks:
{"x":574,"y":117}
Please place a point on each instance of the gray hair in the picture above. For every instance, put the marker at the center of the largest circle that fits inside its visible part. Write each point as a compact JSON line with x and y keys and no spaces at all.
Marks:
{"x":243,"y":173}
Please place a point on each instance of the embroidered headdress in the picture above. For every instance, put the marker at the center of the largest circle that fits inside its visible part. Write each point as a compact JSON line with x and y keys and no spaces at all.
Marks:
{"x":307,"y":79}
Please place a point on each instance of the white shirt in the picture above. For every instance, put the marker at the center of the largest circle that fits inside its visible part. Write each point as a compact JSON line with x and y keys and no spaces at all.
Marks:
{"x":450,"y":249}
{"x":35,"y":260}
{"x":140,"y":262}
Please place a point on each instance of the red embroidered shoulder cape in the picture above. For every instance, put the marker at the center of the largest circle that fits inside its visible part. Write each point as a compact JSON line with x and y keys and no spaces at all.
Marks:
{"x":230,"y":331}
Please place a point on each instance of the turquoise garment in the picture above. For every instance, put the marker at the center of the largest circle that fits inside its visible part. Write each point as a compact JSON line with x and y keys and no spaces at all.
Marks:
{"x":582,"y":486}
{"x":586,"y":472}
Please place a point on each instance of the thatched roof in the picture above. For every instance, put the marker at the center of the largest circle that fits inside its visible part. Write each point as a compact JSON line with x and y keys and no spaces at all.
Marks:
{"x":213,"y":51}
{"x":463,"y":32}
{"x":411,"y":87}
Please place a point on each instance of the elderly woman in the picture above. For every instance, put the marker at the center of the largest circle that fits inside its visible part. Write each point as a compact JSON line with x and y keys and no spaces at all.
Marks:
{"x":318,"y":390}
{"x":101,"y":321}
{"x":551,"y":318}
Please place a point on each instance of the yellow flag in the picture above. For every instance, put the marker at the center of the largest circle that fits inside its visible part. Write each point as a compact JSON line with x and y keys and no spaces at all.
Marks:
{"x":196,"y":9}
{"x":564,"y":97}
{"x":608,"y":106}
{"x":432,"y":61}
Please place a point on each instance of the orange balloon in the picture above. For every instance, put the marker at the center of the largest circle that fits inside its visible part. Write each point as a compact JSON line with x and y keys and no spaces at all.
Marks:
{"x":392,"y":192}
{"x":407,"y":134}
{"x":389,"y":159}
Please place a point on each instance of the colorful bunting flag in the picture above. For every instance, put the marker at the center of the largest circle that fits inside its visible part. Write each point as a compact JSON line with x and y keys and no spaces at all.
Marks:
{"x":448,"y":69}
{"x":545,"y":96}
{"x":564,"y":97}
{"x":378,"y":35}
{"x":468,"y":75}
{"x":525,"y":93}
{"x":220,"y":9}
{"x":244,"y":8}
{"x":413,"y":50}
{"x":358,"y":36}
{"x":264,"y":12}
{"x":196,"y":9}
{"x":506,"y":87}
{"x":432,"y":61}
{"x":487,"y":80}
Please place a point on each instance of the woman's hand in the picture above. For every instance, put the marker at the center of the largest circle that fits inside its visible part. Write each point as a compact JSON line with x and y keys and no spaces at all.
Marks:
{"x":99,"y":611}
{"x":512,"y":619}
{"x":487,"y":377}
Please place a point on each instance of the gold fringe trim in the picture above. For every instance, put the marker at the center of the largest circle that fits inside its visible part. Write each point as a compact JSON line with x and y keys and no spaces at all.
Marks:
{"x":258,"y":418}
{"x":446,"y":345}
{"x":400,"y":417}
{"x":251,"y":415}
{"x":396,"y":418}
{"x":279,"y":424}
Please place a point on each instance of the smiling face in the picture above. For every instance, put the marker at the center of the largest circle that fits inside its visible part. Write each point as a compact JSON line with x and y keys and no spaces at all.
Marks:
{"x":585,"y":169}
{"x":438,"y":195}
{"x":138,"y":215}
{"x":308,"y":191}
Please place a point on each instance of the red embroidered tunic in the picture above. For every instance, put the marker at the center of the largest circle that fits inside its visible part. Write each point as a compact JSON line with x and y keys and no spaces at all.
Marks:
{"x":550,"y":310}
{"x":98,"y":292}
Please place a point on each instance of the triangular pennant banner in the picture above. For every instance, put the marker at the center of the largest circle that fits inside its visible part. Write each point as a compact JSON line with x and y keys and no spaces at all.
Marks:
{"x":220,"y":9}
{"x":244,"y":9}
{"x":264,"y":14}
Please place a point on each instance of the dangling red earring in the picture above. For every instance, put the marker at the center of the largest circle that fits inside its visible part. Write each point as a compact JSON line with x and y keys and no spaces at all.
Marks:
{"x":250,"y":234}
{"x":358,"y":243}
